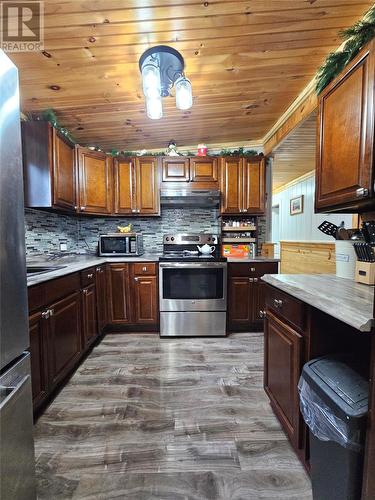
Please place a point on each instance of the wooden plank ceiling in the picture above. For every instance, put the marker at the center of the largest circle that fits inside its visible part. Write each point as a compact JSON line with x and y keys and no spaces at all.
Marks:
{"x":247,"y":61}
{"x":296,"y":154}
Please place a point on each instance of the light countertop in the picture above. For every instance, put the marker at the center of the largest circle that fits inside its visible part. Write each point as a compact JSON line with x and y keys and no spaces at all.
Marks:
{"x":341,"y":298}
{"x":75,"y":263}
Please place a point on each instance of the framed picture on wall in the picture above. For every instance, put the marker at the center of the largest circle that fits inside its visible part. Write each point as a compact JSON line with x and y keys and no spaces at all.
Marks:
{"x":296,"y":205}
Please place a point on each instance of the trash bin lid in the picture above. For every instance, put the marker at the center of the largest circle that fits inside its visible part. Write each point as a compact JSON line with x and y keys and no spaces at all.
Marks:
{"x":337,"y":377}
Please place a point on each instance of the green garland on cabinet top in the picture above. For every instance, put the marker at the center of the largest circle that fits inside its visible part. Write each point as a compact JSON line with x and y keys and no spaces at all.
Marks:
{"x":49,"y":115}
{"x":357,"y":36}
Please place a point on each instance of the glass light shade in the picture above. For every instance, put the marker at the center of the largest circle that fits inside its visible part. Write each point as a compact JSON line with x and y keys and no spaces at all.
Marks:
{"x":154,"y":107}
{"x":151,"y":81}
{"x":184,"y":93}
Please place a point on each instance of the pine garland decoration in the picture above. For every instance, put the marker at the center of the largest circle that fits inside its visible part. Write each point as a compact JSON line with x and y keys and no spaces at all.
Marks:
{"x":356,"y":36}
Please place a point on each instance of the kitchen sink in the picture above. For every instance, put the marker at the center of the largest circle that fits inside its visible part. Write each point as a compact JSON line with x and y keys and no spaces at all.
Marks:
{"x":41,"y":269}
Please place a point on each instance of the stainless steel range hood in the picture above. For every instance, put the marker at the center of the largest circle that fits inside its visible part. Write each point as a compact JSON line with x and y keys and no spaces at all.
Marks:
{"x":189,"y":198}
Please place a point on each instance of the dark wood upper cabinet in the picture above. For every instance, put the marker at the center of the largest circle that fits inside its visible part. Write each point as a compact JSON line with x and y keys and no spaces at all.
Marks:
{"x":38,"y":331}
{"x":175,"y":169}
{"x":49,"y":168}
{"x":95,"y":182}
{"x":118,"y":294}
{"x":64,"y":343}
{"x":243,"y":185}
{"x":89,"y":316}
{"x":231,"y":185}
{"x":147,"y":186}
{"x":254,"y":186}
{"x":136,"y":186}
{"x":282,"y":366}
{"x":203,"y":169}
{"x":345,"y":138}
{"x":124,"y":186}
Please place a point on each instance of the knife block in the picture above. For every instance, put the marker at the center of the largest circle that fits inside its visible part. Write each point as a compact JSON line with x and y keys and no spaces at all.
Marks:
{"x":365,"y":272}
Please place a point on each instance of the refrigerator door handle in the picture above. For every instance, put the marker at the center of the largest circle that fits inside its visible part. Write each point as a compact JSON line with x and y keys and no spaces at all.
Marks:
{"x":12,"y":391}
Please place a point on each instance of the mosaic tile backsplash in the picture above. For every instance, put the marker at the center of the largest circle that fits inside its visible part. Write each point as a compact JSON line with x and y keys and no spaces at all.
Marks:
{"x":46,"y":230}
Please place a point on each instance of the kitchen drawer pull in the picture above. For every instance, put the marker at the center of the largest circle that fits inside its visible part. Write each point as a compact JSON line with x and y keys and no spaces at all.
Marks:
{"x":251,"y":280}
{"x":361,"y":192}
{"x":51,"y":312}
{"x":83,"y":209}
{"x":144,"y":268}
{"x":90,"y":275}
{"x":136,"y":279}
{"x":98,"y":269}
{"x":45,"y":314}
{"x":262,"y":314}
{"x":252,"y":269}
{"x":278,"y":303}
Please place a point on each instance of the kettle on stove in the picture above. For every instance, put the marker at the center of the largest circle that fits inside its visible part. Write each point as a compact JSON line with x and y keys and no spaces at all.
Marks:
{"x":206,"y":249}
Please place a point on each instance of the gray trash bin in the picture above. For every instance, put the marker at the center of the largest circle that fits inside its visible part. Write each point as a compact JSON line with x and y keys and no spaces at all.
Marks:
{"x":334,"y":405}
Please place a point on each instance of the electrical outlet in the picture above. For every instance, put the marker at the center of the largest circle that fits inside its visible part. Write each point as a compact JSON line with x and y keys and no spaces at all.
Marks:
{"x":63,"y":247}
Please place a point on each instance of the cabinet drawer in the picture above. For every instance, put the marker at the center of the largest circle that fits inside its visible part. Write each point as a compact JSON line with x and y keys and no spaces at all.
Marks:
{"x":36,"y":297}
{"x":144,"y":268}
{"x":61,"y":287}
{"x":88,"y":276}
{"x":252,"y":269}
{"x":287,"y":307}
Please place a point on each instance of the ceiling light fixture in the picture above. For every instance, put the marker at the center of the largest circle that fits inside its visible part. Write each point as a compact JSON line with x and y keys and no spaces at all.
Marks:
{"x":161,"y":68}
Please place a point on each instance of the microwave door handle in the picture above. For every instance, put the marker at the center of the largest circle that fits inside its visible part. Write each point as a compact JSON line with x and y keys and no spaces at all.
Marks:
{"x":127,"y":250}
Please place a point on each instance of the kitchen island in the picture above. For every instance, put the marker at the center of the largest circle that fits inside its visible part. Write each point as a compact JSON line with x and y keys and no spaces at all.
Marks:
{"x":307,"y":316}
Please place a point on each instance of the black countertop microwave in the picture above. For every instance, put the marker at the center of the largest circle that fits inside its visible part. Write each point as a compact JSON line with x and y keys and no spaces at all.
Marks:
{"x":120,"y":244}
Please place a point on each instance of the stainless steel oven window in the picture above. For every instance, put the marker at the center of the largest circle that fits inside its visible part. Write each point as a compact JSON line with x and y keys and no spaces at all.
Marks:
{"x":193,"y":286}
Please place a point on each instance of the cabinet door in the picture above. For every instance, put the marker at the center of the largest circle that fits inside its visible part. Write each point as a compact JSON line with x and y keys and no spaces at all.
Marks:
{"x":254,"y":186}
{"x":282,"y":365}
{"x":64,"y":173}
{"x":124,"y":173}
{"x":203,"y":170}
{"x":344,"y":169}
{"x":145,"y":293}
{"x":147,"y":186}
{"x":90,"y":324}
{"x":175,"y":170}
{"x":64,"y":343}
{"x":95,"y":182}
{"x":239,"y":303}
{"x":259,"y":300}
{"x":119,"y":294}
{"x":101,"y":297}
{"x":231,"y":185}
{"x":38,"y":357}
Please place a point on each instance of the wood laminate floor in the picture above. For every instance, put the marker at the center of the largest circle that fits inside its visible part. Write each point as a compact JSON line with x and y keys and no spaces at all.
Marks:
{"x":178,"y":419}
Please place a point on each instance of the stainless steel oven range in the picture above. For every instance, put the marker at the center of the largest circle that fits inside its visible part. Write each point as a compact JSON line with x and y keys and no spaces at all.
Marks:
{"x":192,"y":287}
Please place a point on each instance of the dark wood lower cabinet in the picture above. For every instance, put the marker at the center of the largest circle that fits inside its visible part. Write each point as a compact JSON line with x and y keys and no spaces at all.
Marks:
{"x":90,"y":324}
{"x":39,"y":358}
{"x":282,"y":367}
{"x":119,"y":294}
{"x":101,"y":297}
{"x":64,"y":342}
{"x":247,"y":294}
{"x":145,"y":294}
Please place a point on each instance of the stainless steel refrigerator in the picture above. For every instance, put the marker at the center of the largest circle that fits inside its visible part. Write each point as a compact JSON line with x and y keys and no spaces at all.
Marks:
{"x":17,"y":470}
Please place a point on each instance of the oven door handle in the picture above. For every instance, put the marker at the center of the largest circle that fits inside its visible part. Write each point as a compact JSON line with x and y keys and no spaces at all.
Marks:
{"x":193,"y":265}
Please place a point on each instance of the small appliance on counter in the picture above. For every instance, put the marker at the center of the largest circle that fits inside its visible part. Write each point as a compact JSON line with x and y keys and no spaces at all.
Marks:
{"x":365,"y":266}
{"x":192,"y":286}
{"x":120,"y":245}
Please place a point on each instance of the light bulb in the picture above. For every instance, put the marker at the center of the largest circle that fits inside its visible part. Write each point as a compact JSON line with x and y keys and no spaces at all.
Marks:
{"x":154,"y":107}
{"x":184,"y":93}
{"x":151,"y":80}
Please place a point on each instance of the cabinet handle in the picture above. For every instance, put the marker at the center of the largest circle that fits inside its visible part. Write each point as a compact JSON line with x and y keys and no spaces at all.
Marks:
{"x":361,"y":192}
{"x":98,"y":270}
{"x":277,"y":303}
{"x":255,"y":280}
{"x":84,"y":291}
{"x":245,"y":210}
{"x":51,"y":312}
{"x":136,"y":279}
{"x":138,"y":210}
{"x":252,"y":269}
{"x":90,"y":275}
{"x":83,"y":209}
{"x":45,"y":314}
{"x":262,"y":314}
{"x":144,"y":269}
{"x":251,"y":280}
{"x":75,"y":207}
{"x":134,"y":210}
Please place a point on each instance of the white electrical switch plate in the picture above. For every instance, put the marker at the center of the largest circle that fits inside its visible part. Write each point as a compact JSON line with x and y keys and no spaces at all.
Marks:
{"x":63,"y":247}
